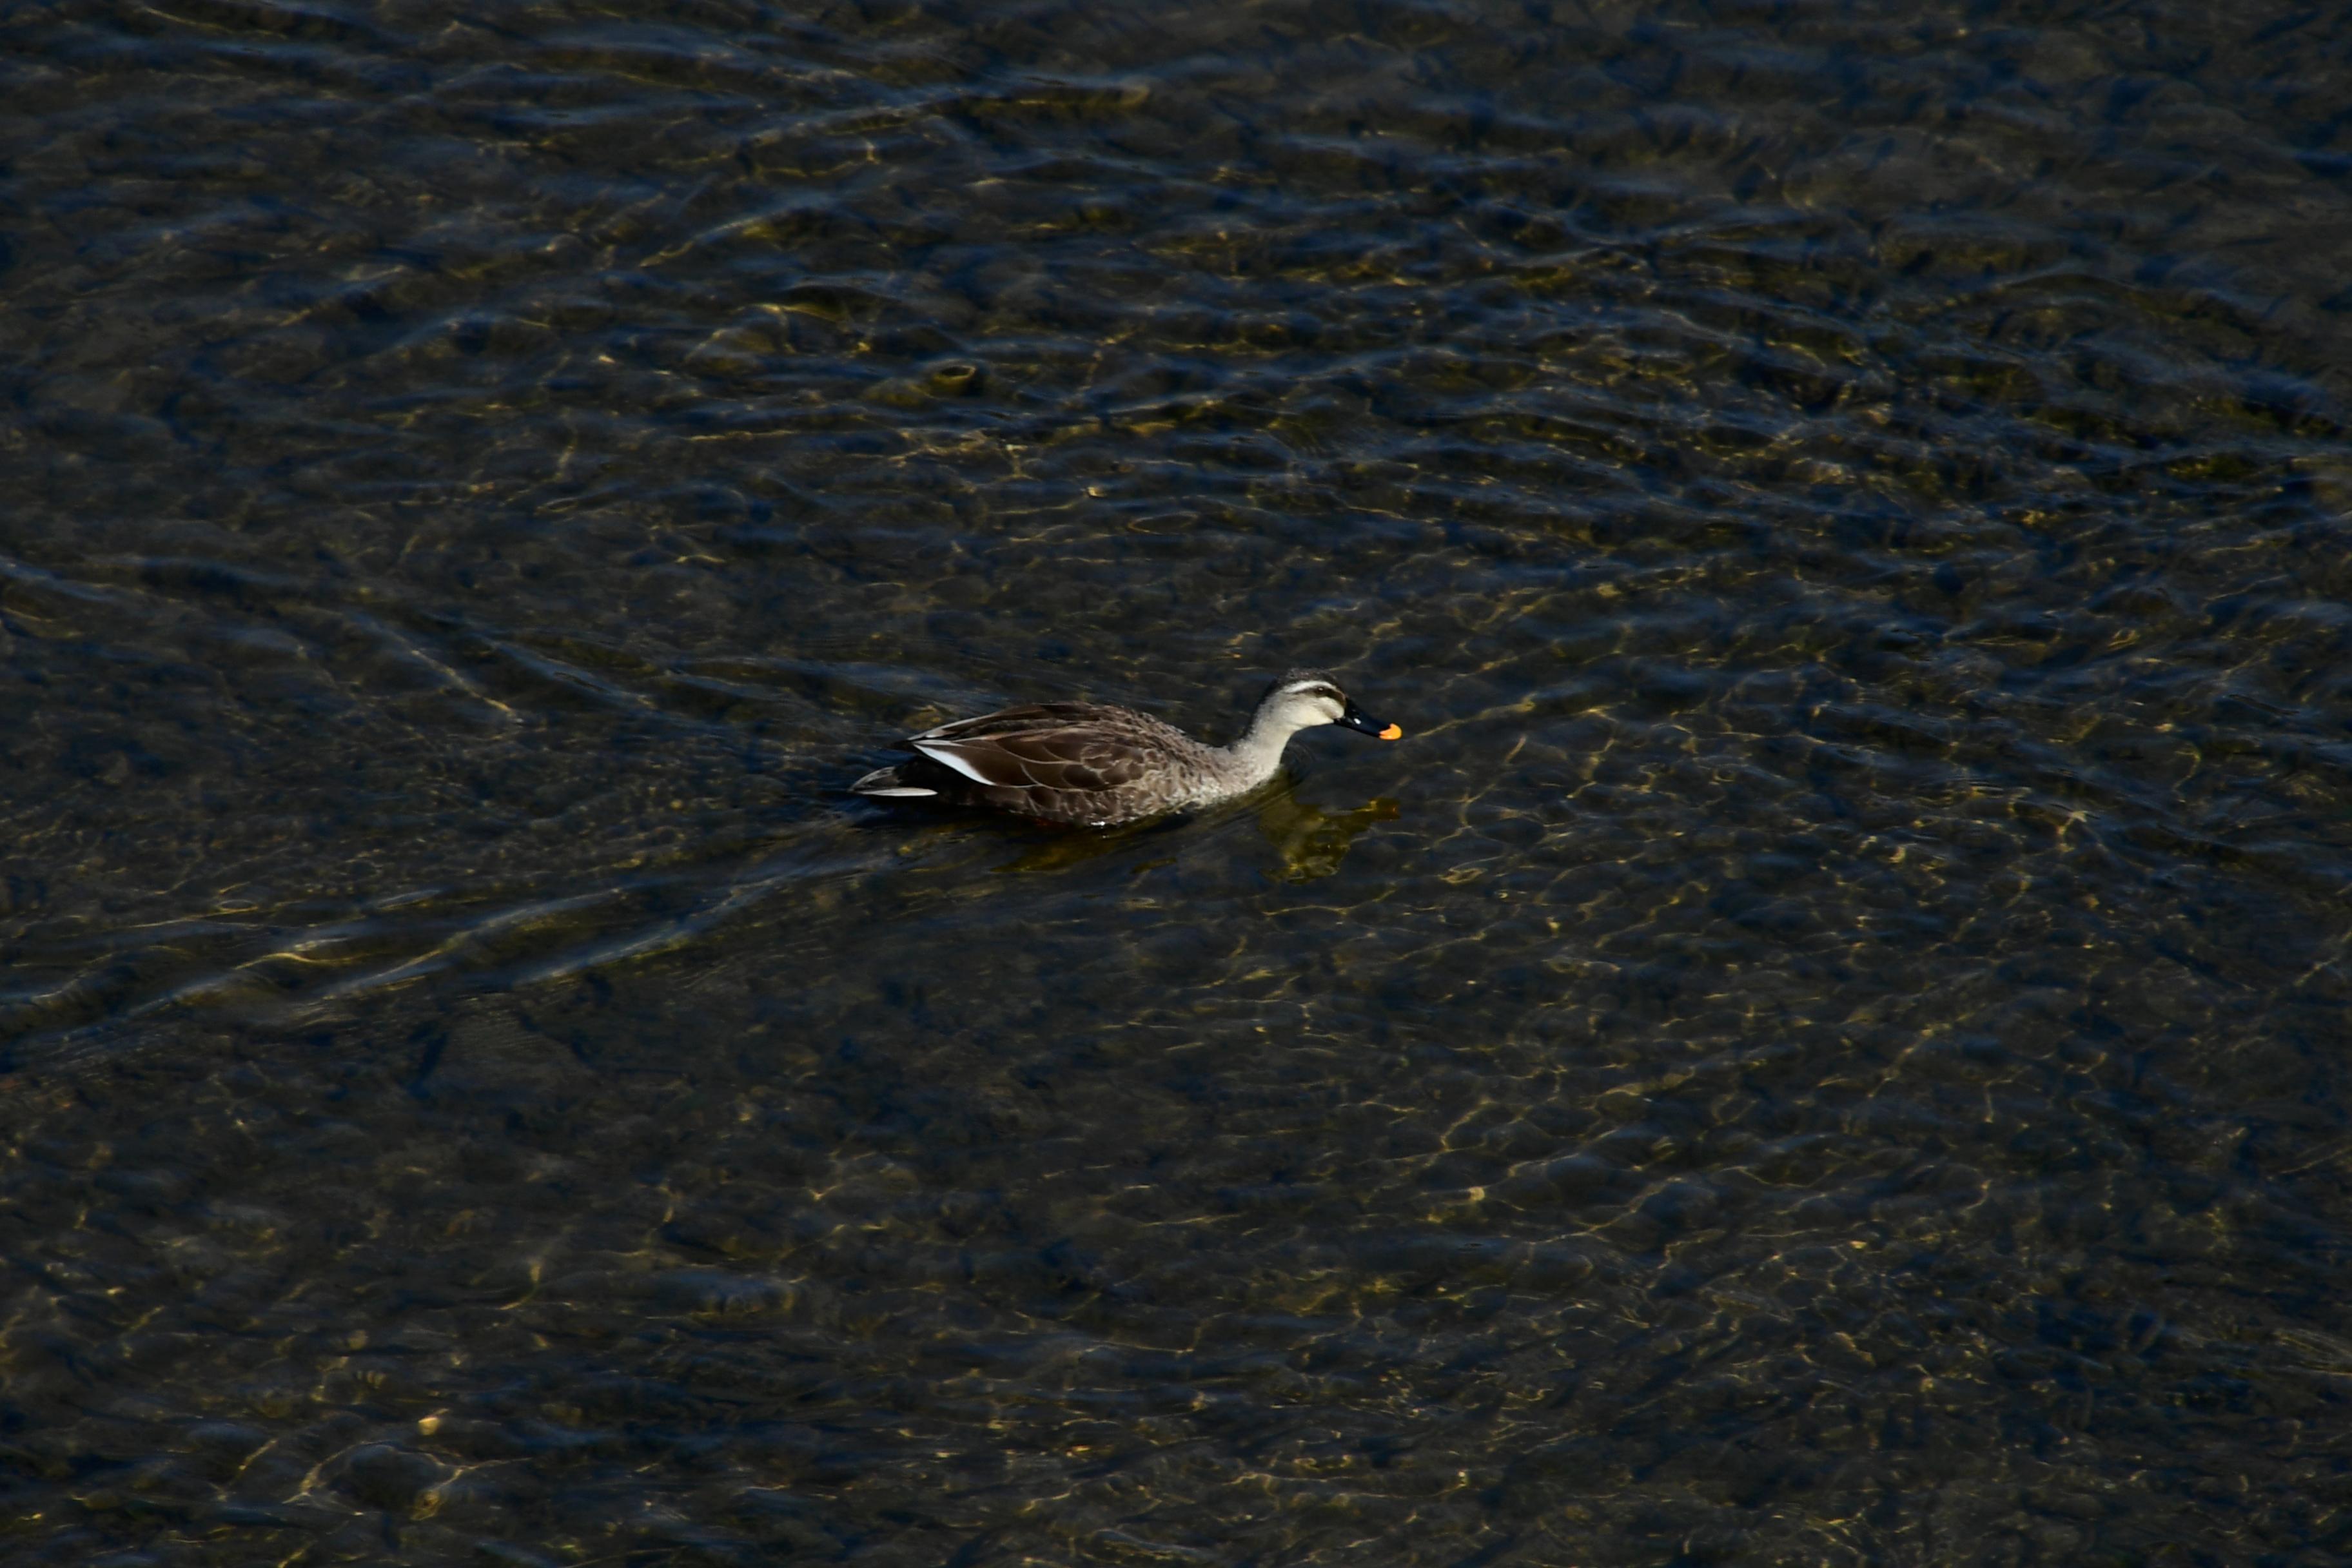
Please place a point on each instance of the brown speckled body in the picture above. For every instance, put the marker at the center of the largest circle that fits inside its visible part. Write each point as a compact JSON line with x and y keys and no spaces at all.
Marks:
{"x":1090,"y":764}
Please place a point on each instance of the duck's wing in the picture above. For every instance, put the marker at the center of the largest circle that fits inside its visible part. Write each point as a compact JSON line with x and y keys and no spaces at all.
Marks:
{"x":1035,"y":718}
{"x":1078,"y":747}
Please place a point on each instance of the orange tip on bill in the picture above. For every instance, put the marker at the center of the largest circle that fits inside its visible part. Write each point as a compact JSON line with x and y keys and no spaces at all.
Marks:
{"x":1393,"y":732}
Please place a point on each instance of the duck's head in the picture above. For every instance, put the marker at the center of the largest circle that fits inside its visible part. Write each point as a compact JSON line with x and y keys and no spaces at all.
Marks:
{"x":1306,"y":697}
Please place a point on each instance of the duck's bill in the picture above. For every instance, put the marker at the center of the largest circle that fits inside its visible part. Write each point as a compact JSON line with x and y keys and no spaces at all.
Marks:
{"x":1355,"y":718}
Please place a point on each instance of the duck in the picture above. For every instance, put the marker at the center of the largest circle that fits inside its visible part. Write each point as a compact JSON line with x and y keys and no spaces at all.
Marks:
{"x":1089,"y":764}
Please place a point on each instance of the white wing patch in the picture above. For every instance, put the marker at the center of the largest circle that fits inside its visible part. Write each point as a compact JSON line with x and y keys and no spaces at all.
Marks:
{"x":942,"y":752}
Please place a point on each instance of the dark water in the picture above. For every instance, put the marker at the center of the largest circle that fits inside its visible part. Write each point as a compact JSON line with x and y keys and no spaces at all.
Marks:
{"x":1826,"y":1045}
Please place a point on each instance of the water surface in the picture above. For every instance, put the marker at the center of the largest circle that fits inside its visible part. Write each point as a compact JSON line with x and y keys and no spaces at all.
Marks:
{"x":1825,"y":1045}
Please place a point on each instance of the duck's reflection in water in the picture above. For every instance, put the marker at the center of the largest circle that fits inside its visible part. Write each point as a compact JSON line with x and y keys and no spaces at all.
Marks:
{"x":1061,"y":848}
{"x":1308,"y":841}
{"x":1311,"y":841}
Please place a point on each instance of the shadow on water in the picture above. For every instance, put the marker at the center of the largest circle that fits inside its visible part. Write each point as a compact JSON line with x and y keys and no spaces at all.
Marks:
{"x":1312,"y":841}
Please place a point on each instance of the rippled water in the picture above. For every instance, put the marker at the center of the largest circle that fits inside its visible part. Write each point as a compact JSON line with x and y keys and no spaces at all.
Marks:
{"x":1826,"y":1044}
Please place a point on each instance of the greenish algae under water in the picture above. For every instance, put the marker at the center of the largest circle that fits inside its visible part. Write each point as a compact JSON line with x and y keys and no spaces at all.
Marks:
{"x":1827,"y":1044}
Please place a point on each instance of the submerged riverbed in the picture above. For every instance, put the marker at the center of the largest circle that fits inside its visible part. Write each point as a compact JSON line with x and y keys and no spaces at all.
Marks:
{"x":1826,"y":1043}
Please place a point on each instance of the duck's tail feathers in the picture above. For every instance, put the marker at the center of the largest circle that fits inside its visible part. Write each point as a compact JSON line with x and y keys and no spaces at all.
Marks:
{"x":886,"y":782}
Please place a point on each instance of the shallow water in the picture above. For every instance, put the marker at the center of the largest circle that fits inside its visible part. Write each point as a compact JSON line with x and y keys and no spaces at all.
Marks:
{"x":1826,"y":1044}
